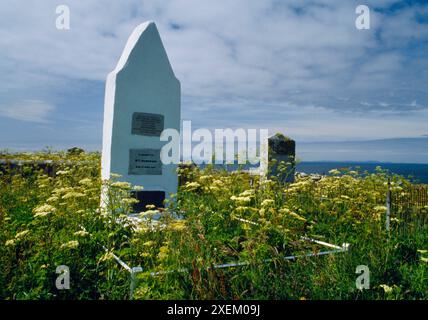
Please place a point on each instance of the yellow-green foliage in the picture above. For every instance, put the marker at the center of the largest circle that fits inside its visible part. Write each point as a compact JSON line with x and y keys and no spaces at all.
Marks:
{"x":217,"y":217}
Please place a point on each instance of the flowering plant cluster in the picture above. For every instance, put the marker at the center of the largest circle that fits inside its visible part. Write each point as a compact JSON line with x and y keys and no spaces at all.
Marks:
{"x":223,"y":235}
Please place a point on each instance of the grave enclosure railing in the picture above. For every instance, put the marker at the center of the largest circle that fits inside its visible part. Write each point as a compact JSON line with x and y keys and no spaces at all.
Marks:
{"x":410,"y":205}
{"x":134,"y":271}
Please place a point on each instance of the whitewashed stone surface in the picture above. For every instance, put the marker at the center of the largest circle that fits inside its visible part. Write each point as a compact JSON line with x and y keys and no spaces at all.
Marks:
{"x":141,"y":88}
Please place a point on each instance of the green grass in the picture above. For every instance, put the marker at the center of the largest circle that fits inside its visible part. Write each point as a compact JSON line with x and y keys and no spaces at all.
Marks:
{"x":50,"y":221}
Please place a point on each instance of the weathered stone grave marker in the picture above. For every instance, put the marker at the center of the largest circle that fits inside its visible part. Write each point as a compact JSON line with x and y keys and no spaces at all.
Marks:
{"x":142,"y":99}
{"x":283,"y":151}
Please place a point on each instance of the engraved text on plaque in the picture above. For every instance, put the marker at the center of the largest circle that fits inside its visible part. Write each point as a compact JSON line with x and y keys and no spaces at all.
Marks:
{"x":147,"y":124}
{"x":145,"y":162}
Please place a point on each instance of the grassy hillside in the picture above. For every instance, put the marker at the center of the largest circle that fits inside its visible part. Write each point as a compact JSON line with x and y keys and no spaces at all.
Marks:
{"x":216,"y":218}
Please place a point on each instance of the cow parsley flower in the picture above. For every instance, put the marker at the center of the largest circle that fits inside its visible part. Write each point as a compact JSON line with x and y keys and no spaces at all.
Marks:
{"x":73,"y":194}
{"x":81,"y":233}
{"x":190,"y":186}
{"x":43,"y":211}
{"x":10,"y":243}
{"x":178,"y":225}
{"x":267,"y":202}
{"x":386,"y":288}
{"x":22,"y":234}
{"x":73,"y":244}
{"x":85,"y":182}
{"x":163,"y":253}
{"x":121,"y":185}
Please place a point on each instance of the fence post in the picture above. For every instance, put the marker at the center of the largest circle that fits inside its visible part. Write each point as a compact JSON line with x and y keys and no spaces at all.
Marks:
{"x":388,"y":206}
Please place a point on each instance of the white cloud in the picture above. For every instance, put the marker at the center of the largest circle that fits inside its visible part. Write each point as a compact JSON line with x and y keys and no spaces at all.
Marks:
{"x":264,"y":62}
{"x":28,"y":110}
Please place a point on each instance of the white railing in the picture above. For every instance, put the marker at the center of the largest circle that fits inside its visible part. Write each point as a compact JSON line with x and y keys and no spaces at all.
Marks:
{"x":133,"y":271}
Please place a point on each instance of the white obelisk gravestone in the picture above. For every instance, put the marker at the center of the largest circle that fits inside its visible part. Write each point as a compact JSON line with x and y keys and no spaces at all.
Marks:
{"x":142,"y":99}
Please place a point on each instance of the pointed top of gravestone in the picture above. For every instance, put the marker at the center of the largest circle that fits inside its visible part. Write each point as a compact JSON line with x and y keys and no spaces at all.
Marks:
{"x":144,"y":44}
{"x":280,"y":137}
{"x":142,"y":98}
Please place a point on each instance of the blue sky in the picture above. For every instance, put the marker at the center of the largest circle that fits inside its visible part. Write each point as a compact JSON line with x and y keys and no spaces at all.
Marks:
{"x":300,"y":67}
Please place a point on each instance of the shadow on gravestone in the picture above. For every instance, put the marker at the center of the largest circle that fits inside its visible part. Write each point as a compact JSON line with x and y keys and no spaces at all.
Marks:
{"x":142,"y":99}
{"x":282,"y":158}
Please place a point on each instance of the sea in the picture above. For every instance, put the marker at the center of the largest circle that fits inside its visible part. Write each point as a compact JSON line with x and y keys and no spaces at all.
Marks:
{"x":415,"y":172}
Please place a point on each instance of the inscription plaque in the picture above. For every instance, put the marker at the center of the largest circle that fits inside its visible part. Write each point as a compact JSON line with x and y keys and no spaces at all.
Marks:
{"x":147,"y":124}
{"x":145,"y":162}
